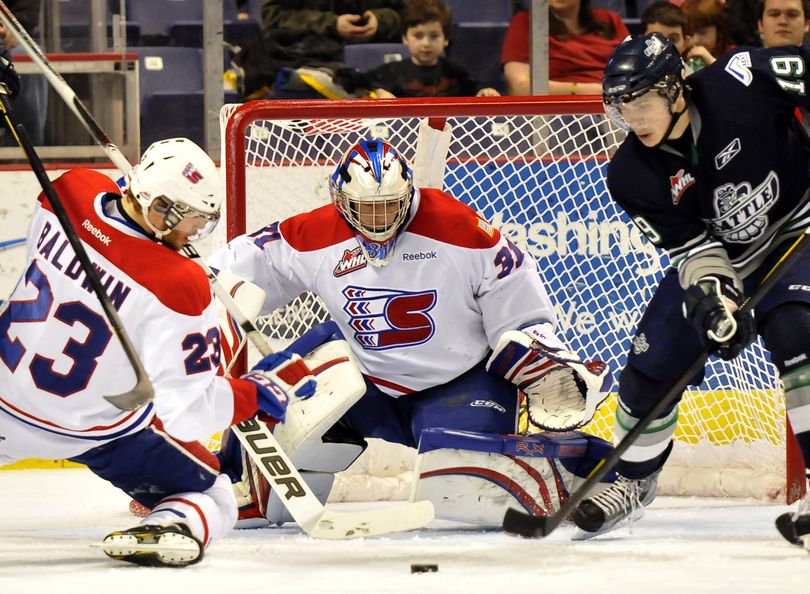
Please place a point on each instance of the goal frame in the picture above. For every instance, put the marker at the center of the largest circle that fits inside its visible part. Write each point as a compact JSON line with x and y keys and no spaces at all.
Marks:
{"x":235,"y":145}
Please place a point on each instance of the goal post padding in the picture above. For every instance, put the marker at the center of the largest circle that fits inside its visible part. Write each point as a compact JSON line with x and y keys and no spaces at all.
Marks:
{"x":535,"y":167}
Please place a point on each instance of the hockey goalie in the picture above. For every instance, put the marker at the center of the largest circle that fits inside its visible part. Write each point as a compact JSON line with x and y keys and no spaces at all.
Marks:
{"x":439,"y":325}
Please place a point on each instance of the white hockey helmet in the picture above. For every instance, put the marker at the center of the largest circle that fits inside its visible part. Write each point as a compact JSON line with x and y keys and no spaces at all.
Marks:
{"x":372,"y":187}
{"x":183,"y":179}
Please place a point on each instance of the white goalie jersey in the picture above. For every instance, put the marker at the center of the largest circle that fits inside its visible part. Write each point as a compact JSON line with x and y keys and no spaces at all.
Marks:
{"x":454,"y":285}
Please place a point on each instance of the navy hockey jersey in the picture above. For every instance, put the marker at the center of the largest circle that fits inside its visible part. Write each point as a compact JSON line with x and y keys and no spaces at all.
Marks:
{"x":743,"y":182}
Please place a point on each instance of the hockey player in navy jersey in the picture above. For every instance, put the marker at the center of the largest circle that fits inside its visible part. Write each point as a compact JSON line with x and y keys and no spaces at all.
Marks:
{"x":716,"y":171}
{"x":59,"y":357}
{"x":444,"y":317}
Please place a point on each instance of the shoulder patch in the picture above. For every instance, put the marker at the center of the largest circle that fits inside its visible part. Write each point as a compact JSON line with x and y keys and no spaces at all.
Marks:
{"x":443,"y":218}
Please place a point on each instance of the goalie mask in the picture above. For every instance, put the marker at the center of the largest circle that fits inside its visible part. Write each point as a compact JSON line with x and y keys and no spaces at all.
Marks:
{"x":372,"y":187}
{"x":177,"y":179}
{"x":636,"y":67}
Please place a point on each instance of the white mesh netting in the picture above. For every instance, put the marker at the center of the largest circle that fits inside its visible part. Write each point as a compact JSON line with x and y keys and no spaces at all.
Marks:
{"x":540,"y":177}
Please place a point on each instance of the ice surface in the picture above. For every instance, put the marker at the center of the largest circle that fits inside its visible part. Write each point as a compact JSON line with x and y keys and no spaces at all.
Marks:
{"x":49,"y":518}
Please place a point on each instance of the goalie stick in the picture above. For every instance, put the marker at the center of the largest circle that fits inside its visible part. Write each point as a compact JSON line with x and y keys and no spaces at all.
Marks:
{"x":519,"y":523}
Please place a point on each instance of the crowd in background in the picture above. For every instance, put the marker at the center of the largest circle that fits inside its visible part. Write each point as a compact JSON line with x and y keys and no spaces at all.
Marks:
{"x":300,"y":45}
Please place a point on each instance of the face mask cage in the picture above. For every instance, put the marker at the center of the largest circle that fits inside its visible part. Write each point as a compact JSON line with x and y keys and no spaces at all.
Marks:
{"x":668,"y":87}
{"x":376,"y":217}
{"x":175,"y":212}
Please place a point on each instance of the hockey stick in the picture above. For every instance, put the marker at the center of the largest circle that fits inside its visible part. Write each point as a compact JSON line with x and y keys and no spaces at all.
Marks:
{"x":262,"y":446}
{"x":10,"y":243}
{"x":142,"y":392}
{"x":520,"y":523}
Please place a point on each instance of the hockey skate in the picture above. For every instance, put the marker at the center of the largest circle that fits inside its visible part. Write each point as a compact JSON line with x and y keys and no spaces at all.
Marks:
{"x":795,"y":526}
{"x":620,"y":504}
{"x":154,"y":546}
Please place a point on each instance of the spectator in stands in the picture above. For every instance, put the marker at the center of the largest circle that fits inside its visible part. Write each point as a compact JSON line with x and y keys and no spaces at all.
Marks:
{"x":666,"y":18}
{"x":709,"y":27}
{"x":580,"y":41}
{"x":741,"y":22}
{"x":783,"y":22}
{"x":31,"y":103}
{"x":242,"y":10}
{"x":669,"y":20}
{"x":426,"y":33}
{"x":312,"y":33}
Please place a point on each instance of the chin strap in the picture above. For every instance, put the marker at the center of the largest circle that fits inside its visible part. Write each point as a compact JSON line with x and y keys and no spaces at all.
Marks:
{"x":676,"y":116}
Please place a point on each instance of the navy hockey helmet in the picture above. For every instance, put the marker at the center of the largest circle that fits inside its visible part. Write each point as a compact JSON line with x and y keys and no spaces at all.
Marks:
{"x":639,"y":65}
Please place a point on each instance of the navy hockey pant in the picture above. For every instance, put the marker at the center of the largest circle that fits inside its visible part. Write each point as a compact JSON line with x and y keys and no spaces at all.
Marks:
{"x":474,"y":401}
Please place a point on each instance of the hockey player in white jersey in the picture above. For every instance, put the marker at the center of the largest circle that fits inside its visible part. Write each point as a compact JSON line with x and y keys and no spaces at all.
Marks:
{"x":444,"y":317}
{"x":59,"y":357}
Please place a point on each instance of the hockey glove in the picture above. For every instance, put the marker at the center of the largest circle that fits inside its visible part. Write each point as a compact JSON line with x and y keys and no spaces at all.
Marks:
{"x":562,"y":391}
{"x":280,"y":377}
{"x":8,"y":75}
{"x":706,"y":306}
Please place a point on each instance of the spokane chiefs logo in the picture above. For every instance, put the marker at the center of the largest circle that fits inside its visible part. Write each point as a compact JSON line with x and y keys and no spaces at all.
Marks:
{"x":191,"y":173}
{"x":352,"y":260}
{"x":385,"y":319}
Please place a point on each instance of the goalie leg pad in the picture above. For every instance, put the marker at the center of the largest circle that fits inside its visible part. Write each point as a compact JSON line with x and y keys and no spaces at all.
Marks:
{"x":475,"y":477}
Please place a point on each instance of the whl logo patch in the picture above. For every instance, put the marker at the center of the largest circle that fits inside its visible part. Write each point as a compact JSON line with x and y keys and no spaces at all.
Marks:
{"x":352,"y":260}
{"x":678,"y":183}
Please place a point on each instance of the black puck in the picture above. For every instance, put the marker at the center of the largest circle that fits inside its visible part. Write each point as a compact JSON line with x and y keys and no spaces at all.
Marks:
{"x":424,"y":567}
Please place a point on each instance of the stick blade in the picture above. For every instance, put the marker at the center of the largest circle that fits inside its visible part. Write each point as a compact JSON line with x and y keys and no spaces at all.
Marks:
{"x":518,"y":523}
{"x":340,"y":526}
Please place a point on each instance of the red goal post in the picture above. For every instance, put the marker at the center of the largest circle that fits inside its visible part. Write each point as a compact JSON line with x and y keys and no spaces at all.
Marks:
{"x":535,"y":167}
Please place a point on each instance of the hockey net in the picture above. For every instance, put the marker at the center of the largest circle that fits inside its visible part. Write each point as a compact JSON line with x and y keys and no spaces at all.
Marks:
{"x":534,"y":167}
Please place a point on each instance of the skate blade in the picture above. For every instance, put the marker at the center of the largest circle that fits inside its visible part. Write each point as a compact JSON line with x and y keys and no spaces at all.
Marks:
{"x":170,"y":549}
{"x":634,"y":517}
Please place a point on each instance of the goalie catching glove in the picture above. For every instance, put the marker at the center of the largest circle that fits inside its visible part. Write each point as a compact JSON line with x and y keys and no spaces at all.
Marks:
{"x":706,"y":305}
{"x":562,"y":391}
{"x":279,"y":377}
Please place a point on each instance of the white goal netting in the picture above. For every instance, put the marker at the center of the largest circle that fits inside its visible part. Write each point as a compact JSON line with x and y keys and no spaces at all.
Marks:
{"x":534,"y":167}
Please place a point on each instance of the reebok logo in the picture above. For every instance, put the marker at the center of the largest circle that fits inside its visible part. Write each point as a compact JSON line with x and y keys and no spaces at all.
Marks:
{"x":96,"y":232}
{"x":419,"y":256}
{"x":727,"y":154}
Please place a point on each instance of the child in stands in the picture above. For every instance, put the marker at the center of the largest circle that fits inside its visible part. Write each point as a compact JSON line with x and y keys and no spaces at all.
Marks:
{"x":426,"y":33}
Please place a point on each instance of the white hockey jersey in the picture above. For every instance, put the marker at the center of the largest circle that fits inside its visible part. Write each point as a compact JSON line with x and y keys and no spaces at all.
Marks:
{"x":454,"y":285}
{"x":59,"y":356}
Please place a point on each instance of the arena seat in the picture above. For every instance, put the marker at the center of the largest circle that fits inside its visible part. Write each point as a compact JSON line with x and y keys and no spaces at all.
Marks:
{"x":171,"y":93}
{"x":156,"y":16}
{"x":74,"y":27}
{"x":190,"y":33}
{"x":477,"y":48}
{"x":490,"y":11}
